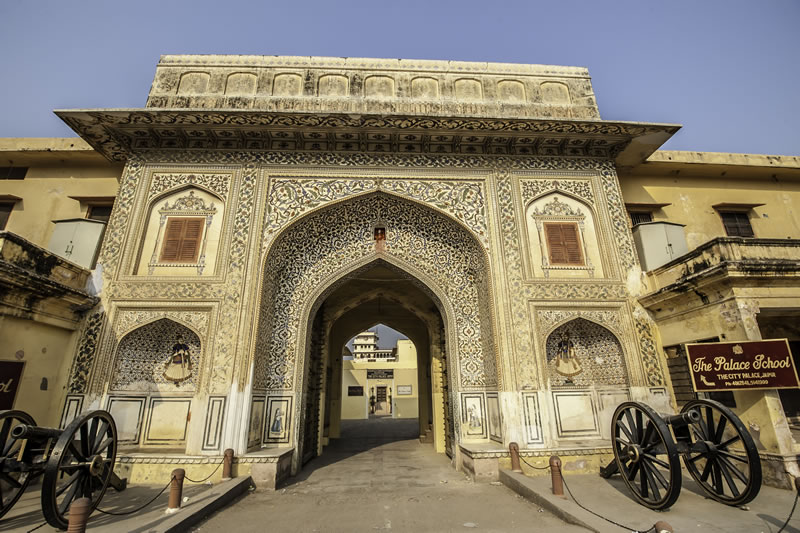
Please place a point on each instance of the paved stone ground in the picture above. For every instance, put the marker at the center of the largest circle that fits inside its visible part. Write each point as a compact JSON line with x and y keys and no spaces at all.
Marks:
{"x":378,"y":477}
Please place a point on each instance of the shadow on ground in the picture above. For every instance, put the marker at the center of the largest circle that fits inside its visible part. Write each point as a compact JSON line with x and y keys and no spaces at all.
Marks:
{"x":359,"y":436}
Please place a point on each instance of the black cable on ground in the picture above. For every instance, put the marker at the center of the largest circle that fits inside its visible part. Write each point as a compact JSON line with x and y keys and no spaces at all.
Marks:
{"x":589,"y":510}
{"x":187,"y":478}
{"x":140,"y":508}
{"x":37,"y":527}
{"x":633,"y":530}
{"x":796,"y":496}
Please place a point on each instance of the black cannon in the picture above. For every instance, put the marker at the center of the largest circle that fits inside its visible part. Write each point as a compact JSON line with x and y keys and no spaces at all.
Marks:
{"x":76,"y":462}
{"x":717,"y":450}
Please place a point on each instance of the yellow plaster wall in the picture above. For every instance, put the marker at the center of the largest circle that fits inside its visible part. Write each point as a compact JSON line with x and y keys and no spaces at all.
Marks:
{"x":46,"y":192}
{"x":354,"y":373}
{"x":691,"y":196}
{"x":47,"y":352}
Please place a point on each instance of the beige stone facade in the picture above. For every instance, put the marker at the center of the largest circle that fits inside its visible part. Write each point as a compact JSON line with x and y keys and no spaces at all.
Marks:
{"x":332,"y":194}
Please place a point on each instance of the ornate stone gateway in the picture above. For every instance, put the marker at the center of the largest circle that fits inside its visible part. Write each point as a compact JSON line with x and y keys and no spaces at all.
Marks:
{"x":267,"y":203}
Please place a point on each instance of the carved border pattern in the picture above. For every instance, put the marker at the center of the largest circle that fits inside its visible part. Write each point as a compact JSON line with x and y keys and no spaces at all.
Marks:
{"x":218,"y":183}
{"x":549,"y":318}
{"x":647,"y":346}
{"x":84,"y":357}
{"x":128,"y":320}
{"x":531,"y":188}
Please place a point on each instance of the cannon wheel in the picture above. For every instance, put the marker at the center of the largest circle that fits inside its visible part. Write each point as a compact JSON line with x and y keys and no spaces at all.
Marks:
{"x":12,"y":484}
{"x":646,"y":455}
{"x":80,"y":465}
{"x":722,"y":456}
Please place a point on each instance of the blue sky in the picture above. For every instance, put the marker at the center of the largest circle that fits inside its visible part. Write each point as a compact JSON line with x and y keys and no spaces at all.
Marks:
{"x":726,"y":70}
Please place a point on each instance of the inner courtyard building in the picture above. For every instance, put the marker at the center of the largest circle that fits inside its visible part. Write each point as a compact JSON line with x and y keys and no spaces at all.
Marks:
{"x":544,"y":264}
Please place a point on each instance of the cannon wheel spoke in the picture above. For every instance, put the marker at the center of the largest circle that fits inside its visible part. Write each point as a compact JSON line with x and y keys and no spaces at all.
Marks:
{"x":12,"y":484}
{"x":731,"y":477}
{"x":90,"y":437}
{"x":646,"y":455}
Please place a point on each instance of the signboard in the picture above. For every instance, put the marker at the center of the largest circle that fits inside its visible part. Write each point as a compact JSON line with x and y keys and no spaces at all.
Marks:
{"x":355,"y":391}
{"x":404,"y":390}
{"x":747,"y":365}
{"x":10,"y":376}
{"x":380,"y":374}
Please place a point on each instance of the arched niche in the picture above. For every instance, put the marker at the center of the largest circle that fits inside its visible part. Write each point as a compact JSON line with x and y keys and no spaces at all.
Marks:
{"x":287,"y":84}
{"x":510,"y":91}
{"x":240,"y":84}
{"x":195,"y":217}
{"x":379,"y":87}
{"x":324,"y":247}
{"x":582,"y":354}
{"x":554,"y":92}
{"x":333,"y":85}
{"x":547,"y":215}
{"x":162,"y":356}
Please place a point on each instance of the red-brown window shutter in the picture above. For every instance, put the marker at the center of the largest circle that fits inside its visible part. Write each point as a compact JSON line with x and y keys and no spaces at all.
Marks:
{"x":182,"y":240}
{"x":563,"y":243}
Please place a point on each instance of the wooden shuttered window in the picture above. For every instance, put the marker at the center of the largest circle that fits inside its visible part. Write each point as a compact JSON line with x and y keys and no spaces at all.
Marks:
{"x":737,"y":223}
{"x":563,"y":243}
{"x":182,"y":240}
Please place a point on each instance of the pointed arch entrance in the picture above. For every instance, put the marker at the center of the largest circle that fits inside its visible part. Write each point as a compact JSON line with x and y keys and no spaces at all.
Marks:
{"x":328,"y":248}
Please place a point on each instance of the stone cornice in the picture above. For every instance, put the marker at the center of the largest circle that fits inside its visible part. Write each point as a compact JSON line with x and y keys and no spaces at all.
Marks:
{"x":119,"y":133}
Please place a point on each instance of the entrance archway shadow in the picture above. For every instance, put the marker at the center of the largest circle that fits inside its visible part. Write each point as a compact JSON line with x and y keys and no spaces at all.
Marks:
{"x":400,"y":435}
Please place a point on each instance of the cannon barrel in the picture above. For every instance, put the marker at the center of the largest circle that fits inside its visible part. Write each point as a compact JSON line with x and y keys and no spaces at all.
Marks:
{"x":691,"y":416}
{"x":24,"y":431}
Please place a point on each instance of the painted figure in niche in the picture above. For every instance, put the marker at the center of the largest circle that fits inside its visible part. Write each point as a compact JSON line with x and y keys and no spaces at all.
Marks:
{"x":566,"y":359}
{"x":474,"y":417}
{"x":277,"y":423}
{"x":179,"y":366}
{"x":380,"y":239}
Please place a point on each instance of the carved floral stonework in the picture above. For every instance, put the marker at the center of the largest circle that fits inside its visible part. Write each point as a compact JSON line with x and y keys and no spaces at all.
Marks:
{"x":217,"y":183}
{"x":84,"y":356}
{"x":128,"y":320}
{"x":291,"y":197}
{"x":463,"y":200}
{"x":438,"y":193}
{"x":342,"y":235}
{"x":533,"y":188}
{"x":549,"y":318}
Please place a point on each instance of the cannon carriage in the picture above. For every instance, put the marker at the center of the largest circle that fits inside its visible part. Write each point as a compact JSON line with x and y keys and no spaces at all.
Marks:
{"x":75,"y":462}
{"x":717,"y":450}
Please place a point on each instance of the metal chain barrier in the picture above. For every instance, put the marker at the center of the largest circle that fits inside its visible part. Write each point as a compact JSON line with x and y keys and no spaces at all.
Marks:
{"x":187,"y":478}
{"x":140,"y":508}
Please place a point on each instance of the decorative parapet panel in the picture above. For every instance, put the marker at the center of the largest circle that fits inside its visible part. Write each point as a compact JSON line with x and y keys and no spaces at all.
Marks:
{"x":37,"y":284}
{"x":358,"y":85}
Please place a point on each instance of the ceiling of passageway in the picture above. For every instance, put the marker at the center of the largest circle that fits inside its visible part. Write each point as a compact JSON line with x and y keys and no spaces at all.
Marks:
{"x":380,"y":295}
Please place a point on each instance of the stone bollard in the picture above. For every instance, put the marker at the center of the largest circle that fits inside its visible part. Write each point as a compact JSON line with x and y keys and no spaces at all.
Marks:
{"x":555,"y":476}
{"x":176,"y":490}
{"x":513,"y":449}
{"x":79,"y":511}
{"x":663,"y":527}
{"x":227,"y":464}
